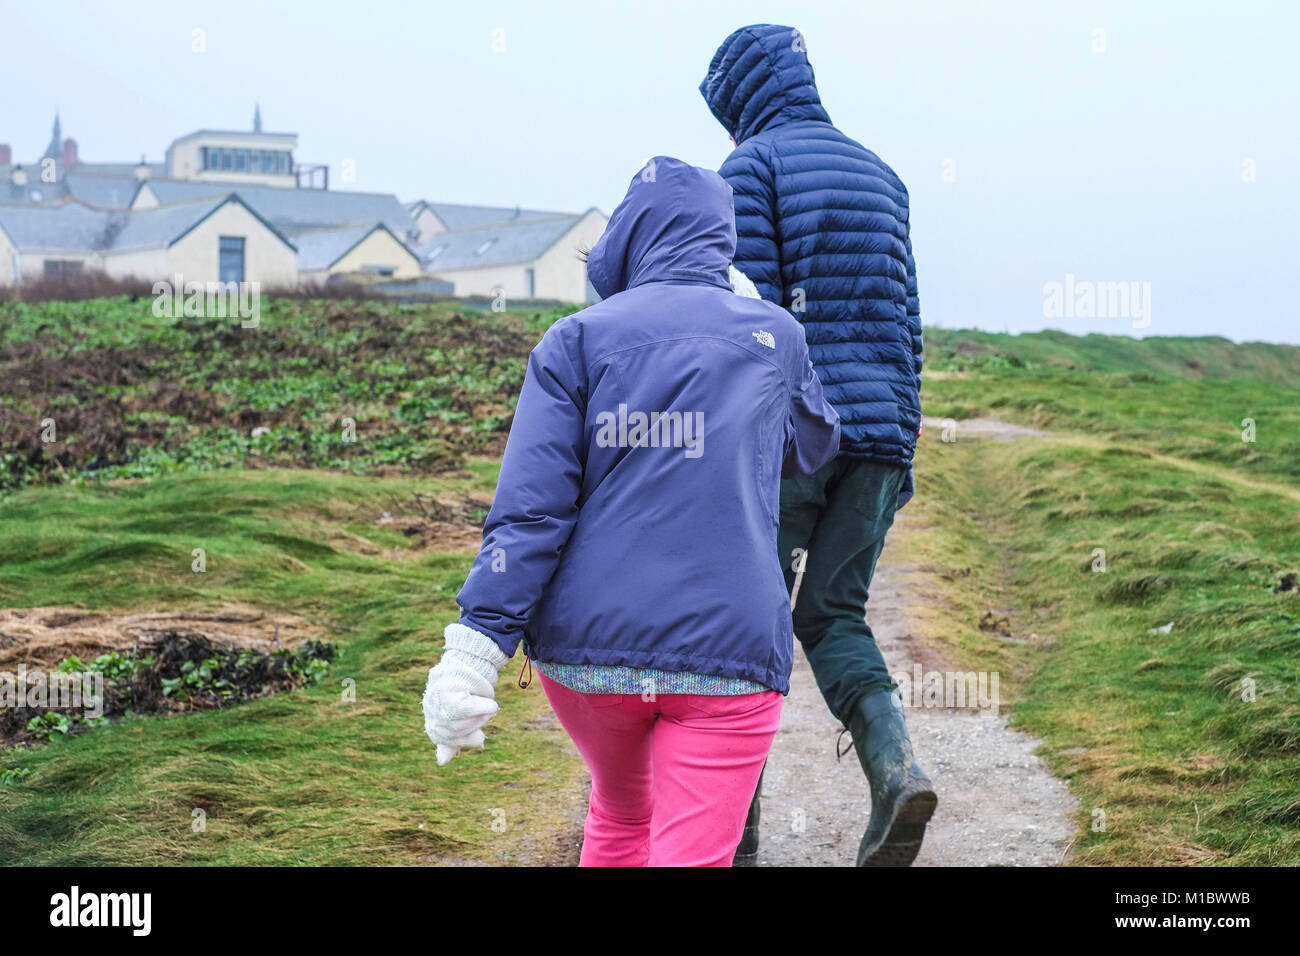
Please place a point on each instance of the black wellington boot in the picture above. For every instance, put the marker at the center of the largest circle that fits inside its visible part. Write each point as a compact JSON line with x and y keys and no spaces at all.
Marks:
{"x":748,"y":848}
{"x":902,"y":798}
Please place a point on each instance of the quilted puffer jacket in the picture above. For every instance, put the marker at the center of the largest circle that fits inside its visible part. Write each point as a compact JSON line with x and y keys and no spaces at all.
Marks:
{"x":822,"y":227}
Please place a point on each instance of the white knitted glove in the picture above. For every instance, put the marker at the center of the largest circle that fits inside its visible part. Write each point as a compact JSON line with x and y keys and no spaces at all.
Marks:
{"x":742,"y":285}
{"x":460,"y":696}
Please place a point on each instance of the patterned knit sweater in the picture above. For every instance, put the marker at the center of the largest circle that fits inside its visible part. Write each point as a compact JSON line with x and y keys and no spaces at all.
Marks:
{"x":595,"y":679}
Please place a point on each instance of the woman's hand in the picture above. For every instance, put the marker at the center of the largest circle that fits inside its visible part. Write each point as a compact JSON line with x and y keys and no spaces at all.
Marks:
{"x":460,"y":696}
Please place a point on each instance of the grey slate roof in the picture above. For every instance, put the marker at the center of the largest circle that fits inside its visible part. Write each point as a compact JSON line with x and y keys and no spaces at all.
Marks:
{"x":318,"y":249}
{"x":34,"y":191}
{"x":67,"y":227}
{"x":161,"y":226}
{"x":74,"y":226}
{"x":506,"y":243}
{"x":293,"y":210}
{"x":109,"y":185}
{"x":118,"y":170}
{"x":456,"y":216}
{"x":107,"y":192}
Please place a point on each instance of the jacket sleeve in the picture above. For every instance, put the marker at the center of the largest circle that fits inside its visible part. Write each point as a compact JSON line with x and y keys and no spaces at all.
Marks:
{"x":813,"y":429}
{"x":753,"y":191}
{"x":913,"y":309}
{"x":536,"y":502}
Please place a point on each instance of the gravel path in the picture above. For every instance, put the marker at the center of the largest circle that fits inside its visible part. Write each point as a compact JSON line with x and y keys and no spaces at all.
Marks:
{"x":998,"y":803}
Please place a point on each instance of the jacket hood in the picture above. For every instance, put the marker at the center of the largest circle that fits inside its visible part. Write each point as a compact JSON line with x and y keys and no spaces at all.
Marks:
{"x":676,"y":222}
{"x":761,"y":74}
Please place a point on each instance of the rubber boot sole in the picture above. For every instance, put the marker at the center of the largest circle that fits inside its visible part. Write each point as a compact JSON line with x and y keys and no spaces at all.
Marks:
{"x":902,"y":840}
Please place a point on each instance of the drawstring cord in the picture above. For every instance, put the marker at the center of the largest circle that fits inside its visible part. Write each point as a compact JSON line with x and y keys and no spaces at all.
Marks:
{"x":840,"y":753}
{"x":528,"y":664}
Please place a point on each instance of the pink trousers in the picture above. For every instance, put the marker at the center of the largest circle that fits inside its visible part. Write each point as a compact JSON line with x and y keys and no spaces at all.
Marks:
{"x":671,"y":778}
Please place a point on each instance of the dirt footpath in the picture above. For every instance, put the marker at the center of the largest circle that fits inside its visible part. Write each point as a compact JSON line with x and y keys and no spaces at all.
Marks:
{"x":998,"y":803}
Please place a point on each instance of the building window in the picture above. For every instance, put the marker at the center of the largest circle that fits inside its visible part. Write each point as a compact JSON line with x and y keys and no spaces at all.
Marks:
{"x":230,"y":265}
{"x":531,"y":274}
{"x":62,"y":268}
{"x":224,"y":159}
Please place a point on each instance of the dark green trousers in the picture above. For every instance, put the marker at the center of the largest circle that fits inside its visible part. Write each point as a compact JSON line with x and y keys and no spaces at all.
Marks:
{"x":838,"y":517}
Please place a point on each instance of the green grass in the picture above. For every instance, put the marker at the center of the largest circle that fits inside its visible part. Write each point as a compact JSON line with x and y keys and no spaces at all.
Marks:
{"x":106,"y":389}
{"x":1198,"y":528}
{"x":301,"y":778}
{"x":1208,"y":357}
{"x":1145,"y":459}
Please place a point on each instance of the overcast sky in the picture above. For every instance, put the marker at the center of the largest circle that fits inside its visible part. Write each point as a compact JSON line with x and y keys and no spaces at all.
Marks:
{"x":1034,"y":146}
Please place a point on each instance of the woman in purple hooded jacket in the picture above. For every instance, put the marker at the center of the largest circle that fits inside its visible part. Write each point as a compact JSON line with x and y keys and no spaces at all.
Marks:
{"x":631,"y":546}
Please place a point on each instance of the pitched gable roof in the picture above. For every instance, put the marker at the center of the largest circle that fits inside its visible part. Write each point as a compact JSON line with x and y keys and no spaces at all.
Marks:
{"x":99,"y":189}
{"x":456,"y":216}
{"x":162,"y":225}
{"x":66,"y":227}
{"x":295,"y":209}
{"x":76,"y":227}
{"x":107,"y":185}
{"x":505,"y":244}
{"x":319,"y":249}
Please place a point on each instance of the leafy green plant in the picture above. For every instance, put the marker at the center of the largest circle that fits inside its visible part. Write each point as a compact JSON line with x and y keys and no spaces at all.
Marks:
{"x":52,"y":722}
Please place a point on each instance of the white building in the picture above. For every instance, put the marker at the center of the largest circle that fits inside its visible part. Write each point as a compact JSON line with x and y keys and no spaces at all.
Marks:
{"x":518,"y":253}
{"x":232,"y":205}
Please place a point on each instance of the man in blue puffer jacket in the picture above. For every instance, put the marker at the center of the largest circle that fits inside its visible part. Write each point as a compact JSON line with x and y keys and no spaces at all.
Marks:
{"x":822,"y":229}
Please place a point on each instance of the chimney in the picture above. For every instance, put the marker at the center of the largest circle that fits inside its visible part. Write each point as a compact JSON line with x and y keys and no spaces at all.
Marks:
{"x":142,"y":171}
{"x":6,"y":154}
{"x":18,"y":176}
{"x":69,"y":153}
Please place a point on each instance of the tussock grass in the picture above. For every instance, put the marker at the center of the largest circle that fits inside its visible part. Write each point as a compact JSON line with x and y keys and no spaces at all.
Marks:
{"x":301,"y":778}
{"x":1189,"y":741}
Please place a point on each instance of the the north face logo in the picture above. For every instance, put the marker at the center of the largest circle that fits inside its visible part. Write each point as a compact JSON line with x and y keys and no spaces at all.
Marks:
{"x":765,"y":338}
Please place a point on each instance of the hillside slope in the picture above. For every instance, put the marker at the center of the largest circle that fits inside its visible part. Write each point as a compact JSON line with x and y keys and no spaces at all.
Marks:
{"x":1203,"y":357}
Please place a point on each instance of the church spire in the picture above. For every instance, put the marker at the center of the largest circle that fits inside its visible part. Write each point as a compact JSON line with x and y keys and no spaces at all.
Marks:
{"x":257,"y":117}
{"x":55,"y":149}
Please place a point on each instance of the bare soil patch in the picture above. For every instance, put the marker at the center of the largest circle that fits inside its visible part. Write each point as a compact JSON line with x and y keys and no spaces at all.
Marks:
{"x":66,"y":669}
{"x":446,"y":523}
{"x":42,"y":637}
